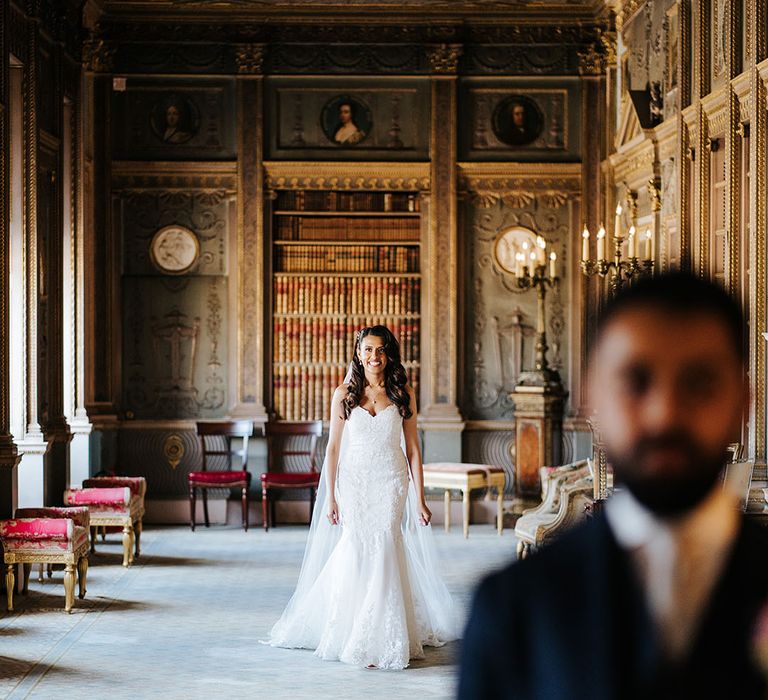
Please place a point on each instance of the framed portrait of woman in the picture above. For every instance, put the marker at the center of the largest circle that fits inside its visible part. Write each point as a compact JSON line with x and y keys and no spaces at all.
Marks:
{"x":175,"y":119}
{"x":346,"y":121}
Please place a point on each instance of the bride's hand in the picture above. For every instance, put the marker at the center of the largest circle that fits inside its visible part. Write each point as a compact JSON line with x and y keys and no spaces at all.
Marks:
{"x":425,"y":514}
{"x":333,"y":513}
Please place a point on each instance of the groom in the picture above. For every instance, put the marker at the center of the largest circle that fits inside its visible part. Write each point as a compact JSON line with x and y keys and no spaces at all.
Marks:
{"x":658,"y":596}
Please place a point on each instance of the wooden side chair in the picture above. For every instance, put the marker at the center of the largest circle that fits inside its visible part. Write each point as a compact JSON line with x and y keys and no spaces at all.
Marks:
{"x":216,"y":442}
{"x":288,"y":446}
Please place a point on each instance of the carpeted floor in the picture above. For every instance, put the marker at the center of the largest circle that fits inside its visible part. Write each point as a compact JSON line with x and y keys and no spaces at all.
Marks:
{"x":185,"y":620}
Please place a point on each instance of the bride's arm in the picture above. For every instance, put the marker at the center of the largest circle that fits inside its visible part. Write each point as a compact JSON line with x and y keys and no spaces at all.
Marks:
{"x":413,"y":452}
{"x":336,"y":429}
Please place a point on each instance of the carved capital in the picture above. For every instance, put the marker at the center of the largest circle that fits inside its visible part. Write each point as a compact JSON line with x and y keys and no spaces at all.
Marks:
{"x":608,"y":43}
{"x":654,"y":193}
{"x":250,"y":59}
{"x":592,"y":61}
{"x":98,"y":55}
{"x":444,"y":58}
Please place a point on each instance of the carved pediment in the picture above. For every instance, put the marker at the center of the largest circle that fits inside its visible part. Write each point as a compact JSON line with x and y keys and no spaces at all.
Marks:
{"x":630,"y":129}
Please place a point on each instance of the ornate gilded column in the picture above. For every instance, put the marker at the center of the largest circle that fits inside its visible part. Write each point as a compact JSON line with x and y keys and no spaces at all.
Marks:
{"x":440,"y":418}
{"x":733,"y":157}
{"x":684,"y":69}
{"x":758,"y":216}
{"x":252,"y":332}
{"x":703,"y":145}
{"x":9,"y":457}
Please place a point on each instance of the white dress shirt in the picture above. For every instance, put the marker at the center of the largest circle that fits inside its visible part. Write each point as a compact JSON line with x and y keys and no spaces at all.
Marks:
{"x":678,"y":560}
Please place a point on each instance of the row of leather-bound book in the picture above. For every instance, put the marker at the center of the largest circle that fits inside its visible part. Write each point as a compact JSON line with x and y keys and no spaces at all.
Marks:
{"x":351,"y":258}
{"x":330,"y":200}
{"x":331,"y":340}
{"x":312,"y":294}
{"x":345,"y":228}
{"x":304,"y":392}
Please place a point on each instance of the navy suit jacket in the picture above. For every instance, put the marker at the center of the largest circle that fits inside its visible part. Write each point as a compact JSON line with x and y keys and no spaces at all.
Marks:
{"x":571,"y":623}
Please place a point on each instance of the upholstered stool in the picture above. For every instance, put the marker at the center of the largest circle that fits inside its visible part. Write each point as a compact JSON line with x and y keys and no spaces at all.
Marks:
{"x":109,"y":507}
{"x":138,"y":486}
{"x":30,"y":541}
{"x":78,"y":514}
{"x":466,"y":477}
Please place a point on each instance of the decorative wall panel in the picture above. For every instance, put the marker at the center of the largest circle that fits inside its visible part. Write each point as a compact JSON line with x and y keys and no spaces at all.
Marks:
{"x":175,"y":325}
{"x":174,"y":120}
{"x":501,"y":320}
{"x":520,"y":121}
{"x":372,"y":119}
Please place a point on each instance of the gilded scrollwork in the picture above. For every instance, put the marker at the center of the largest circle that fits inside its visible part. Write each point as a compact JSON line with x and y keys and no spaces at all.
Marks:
{"x":444,"y":58}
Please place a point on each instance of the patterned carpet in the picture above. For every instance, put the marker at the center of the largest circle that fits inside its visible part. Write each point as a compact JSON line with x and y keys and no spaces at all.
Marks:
{"x":185,"y":620}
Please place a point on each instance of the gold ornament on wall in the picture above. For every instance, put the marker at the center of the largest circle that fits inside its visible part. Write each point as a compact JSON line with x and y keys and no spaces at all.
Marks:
{"x":173,"y":450}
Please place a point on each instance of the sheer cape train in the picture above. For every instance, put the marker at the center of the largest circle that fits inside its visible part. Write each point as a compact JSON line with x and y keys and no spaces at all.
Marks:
{"x":369,"y":603}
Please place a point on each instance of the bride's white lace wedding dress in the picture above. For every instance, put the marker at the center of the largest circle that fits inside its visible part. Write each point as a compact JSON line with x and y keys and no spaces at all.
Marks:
{"x":368,"y":593}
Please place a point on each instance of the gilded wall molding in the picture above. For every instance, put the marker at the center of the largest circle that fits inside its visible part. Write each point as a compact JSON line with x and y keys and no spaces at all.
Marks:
{"x":97,"y":55}
{"x":200,"y":176}
{"x":250,"y":58}
{"x":295,"y":175}
{"x":593,"y":61}
{"x":443,"y":59}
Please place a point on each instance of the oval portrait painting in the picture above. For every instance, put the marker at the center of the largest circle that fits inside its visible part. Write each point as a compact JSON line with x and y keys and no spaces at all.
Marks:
{"x":175,"y":119}
{"x":346,"y":121}
{"x":517,"y":121}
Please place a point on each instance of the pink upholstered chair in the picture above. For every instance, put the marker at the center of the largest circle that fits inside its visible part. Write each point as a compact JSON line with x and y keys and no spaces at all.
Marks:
{"x":109,"y":507}
{"x":138,"y":486}
{"x":282,"y":471}
{"x":78,"y":514}
{"x":46,"y":540}
{"x":216,"y":443}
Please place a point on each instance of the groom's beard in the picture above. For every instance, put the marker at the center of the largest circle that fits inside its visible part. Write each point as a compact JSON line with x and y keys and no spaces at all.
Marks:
{"x":673,"y":491}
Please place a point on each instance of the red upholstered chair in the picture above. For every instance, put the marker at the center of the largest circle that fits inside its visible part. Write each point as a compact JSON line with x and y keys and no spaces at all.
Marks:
{"x":138,"y":487}
{"x":45,"y":540}
{"x":216,"y":442}
{"x":287,"y":444}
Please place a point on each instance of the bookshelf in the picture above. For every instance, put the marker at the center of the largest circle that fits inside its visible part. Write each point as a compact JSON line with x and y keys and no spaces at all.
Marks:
{"x":340,"y":261}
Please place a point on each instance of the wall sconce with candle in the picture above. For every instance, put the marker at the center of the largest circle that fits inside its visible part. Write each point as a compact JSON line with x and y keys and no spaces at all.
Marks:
{"x":639,"y":259}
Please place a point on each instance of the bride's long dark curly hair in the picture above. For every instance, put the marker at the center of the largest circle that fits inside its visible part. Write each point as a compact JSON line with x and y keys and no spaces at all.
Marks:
{"x":395,"y":378}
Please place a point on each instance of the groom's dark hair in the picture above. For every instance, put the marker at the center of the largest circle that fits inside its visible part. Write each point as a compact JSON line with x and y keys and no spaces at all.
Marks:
{"x":682,"y":294}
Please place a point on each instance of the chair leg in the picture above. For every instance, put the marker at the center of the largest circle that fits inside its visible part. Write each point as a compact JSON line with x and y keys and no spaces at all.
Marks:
{"x":137,"y":528}
{"x":272,"y":513}
{"x":205,"y":507}
{"x":265,"y":508}
{"x":25,"y":585}
{"x":40,"y":569}
{"x":192,"y":503}
{"x":69,"y":587}
{"x":94,"y":535}
{"x":245,"y":508}
{"x":50,"y":570}
{"x":127,"y":543}
{"x":104,"y":533}
{"x":82,"y":572}
{"x":10,"y":583}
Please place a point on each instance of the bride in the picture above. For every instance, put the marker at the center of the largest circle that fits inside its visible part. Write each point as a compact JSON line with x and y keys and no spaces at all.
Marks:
{"x":368,"y":592}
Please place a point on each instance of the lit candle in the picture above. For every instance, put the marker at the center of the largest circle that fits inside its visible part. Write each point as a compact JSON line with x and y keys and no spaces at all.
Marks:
{"x":601,"y":243}
{"x":585,"y":244}
{"x":519,"y":258}
{"x":552,"y":265}
{"x":617,"y":224}
{"x":632,"y":245}
{"x":533,"y":261}
{"x":541,"y":248}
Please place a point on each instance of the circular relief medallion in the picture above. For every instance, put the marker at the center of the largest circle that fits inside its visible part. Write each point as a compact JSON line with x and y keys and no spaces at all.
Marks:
{"x":174,"y":250}
{"x":510,"y":242}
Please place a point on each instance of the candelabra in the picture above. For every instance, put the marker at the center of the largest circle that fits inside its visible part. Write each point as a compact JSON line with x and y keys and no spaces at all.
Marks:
{"x":537,"y":277}
{"x":618,"y":270}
